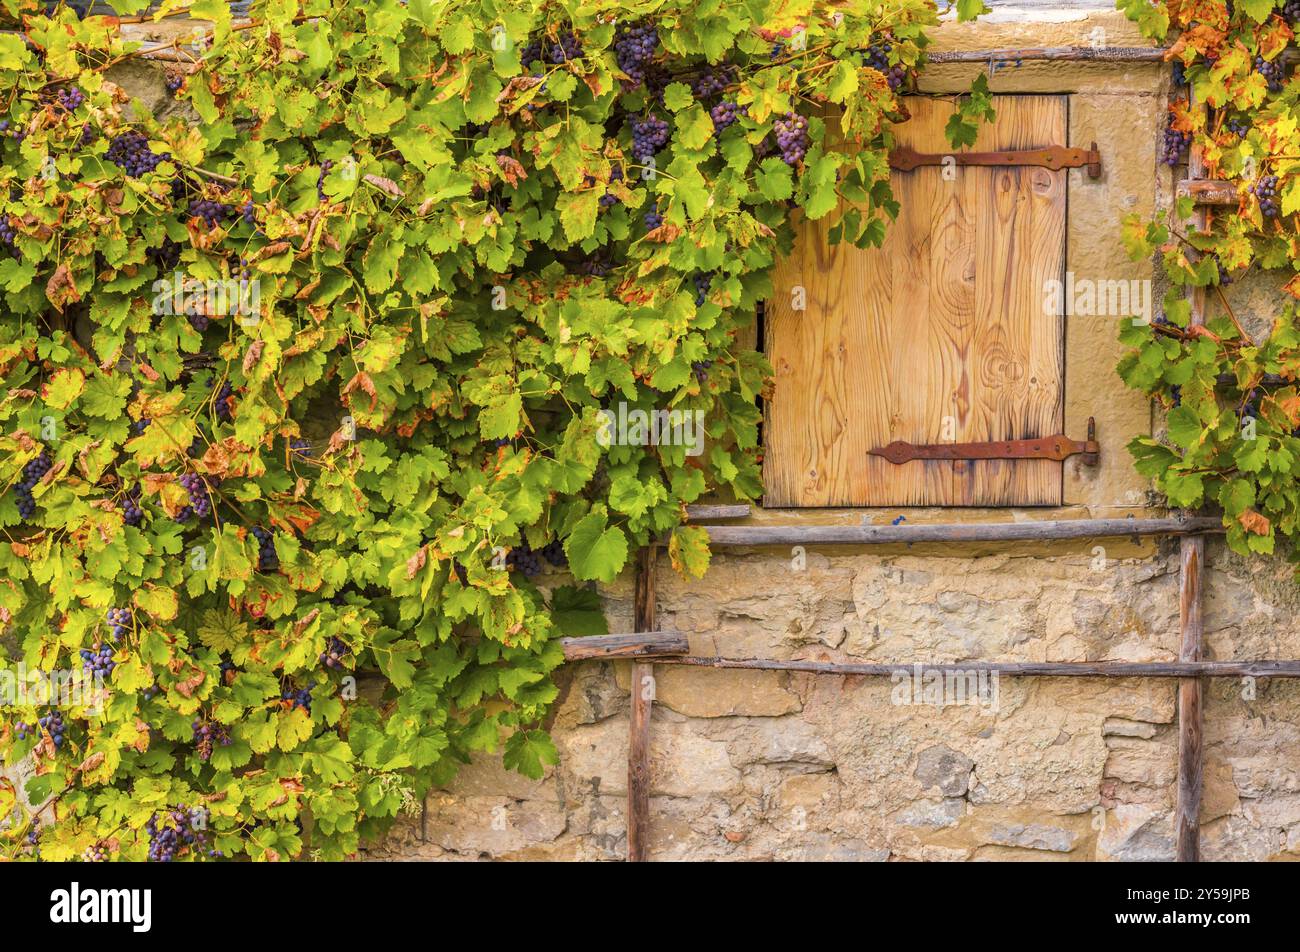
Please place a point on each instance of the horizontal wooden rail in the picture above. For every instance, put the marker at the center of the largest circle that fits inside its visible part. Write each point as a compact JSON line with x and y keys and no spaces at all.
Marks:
{"x":1067,"y":54}
{"x":644,"y":644}
{"x":1038,"y":669}
{"x":1046,"y":530}
{"x":1209,"y":191}
{"x":704,"y":511}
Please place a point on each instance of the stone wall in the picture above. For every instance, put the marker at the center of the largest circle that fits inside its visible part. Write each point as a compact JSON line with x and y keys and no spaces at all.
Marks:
{"x":751,"y":765}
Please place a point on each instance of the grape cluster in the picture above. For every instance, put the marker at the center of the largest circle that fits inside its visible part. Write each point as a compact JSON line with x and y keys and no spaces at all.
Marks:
{"x":211,"y":212}
{"x":553,"y":552}
{"x":725,"y":114}
{"x":524,"y":558}
{"x":1225,"y":276}
{"x":878,"y":59}
{"x":301,"y":448}
{"x":649,"y":135}
{"x":702,"y":282}
{"x":248,"y":212}
{"x":634,"y":46}
{"x":711,"y":82}
{"x":120,"y":621}
{"x":298,"y":697}
{"x":32,"y":474}
{"x":208,"y":735}
{"x":200,"y":502}
{"x":88,"y":135}
{"x":132,"y":513}
{"x":1266,"y":191}
{"x":167,"y":255}
{"x":52,"y":724}
{"x":1238,"y":126}
{"x":701,"y":370}
{"x":320,"y":179}
{"x":567,"y":49}
{"x":596,"y":266}
{"x":9,"y":237}
{"x":609,"y":198}
{"x":653,"y":219}
{"x":98,"y":661}
{"x":1180,"y":73}
{"x":1273,"y":72}
{"x":267,"y":560}
{"x":225,"y":402}
{"x":167,"y":841}
{"x":140,"y":425}
{"x":94,"y":854}
{"x":71,"y":98}
{"x":335,"y":651}
{"x":174,"y":82}
{"x":1291,"y":11}
{"x":199,"y":322}
{"x":130,"y":152}
{"x":792,"y":137}
{"x":1174,"y":145}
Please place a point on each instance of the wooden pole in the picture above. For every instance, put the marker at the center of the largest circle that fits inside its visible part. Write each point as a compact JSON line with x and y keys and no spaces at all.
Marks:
{"x":1036,"y":669}
{"x":1187,"y":827}
{"x":1043,"y":531}
{"x":650,"y":644}
{"x":638,"y":748}
{"x":1187,"y":811}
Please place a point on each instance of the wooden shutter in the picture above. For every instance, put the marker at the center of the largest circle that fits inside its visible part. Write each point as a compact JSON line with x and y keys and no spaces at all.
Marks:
{"x":947,"y":319}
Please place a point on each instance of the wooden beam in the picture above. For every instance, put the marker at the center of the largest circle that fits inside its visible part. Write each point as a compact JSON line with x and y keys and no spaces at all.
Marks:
{"x":647,"y":644}
{"x":1046,"y":530}
{"x":1067,"y":54}
{"x":1187,"y":827}
{"x":1187,"y":811}
{"x":1209,"y":191}
{"x":738,"y":511}
{"x":1035,"y":669}
{"x":638,"y":748}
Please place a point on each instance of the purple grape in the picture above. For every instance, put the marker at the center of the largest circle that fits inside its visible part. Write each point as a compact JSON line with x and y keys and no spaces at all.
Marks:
{"x":33,"y":472}
{"x":130,"y":152}
{"x":267,"y":559}
{"x":634,"y":46}
{"x":791,"y":137}
{"x":1175,"y":144}
{"x":1274,"y":73}
{"x":1265,"y":190}
{"x":70,"y":98}
{"x":725,"y":114}
{"x":649,"y":135}
{"x":211,"y":212}
{"x":878,"y":59}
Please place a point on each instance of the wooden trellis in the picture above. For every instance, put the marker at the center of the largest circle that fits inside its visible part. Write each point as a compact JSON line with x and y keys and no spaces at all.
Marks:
{"x":648,"y":645}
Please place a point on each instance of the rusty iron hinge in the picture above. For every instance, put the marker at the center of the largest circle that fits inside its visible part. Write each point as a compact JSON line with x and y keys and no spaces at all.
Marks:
{"x":1046,"y":447}
{"x":905,"y":158}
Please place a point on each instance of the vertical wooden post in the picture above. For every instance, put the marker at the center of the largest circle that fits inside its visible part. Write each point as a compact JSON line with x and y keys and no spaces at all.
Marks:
{"x":1187,"y":811}
{"x":638,"y":748}
{"x":1187,"y":825}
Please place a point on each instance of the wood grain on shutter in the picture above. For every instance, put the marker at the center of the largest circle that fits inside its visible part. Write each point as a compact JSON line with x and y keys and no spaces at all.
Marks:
{"x":946,"y":319}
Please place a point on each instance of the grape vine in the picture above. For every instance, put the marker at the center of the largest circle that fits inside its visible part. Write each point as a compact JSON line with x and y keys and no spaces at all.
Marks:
{"x":476,"y":230}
